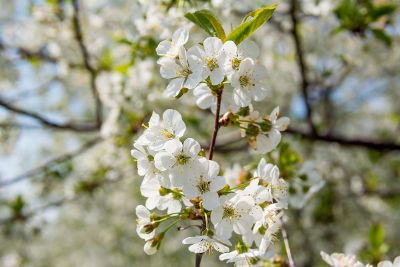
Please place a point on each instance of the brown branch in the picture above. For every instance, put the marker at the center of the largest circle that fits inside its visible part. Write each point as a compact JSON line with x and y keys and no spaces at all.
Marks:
{"x":39,"y":55}
{"x":301,"y":62}
{"x":50,"y":163}
{"x":216,"y":127}
{"x":287,"y":247}
{"x":363,"y":143}
{"x":86,"y":61}
{"x":371,"y":144}
{"x":52,"y":124}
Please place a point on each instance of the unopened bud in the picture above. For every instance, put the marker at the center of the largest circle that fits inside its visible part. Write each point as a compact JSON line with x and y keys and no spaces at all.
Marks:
{"x":252,"y":130}
{"x":227,"y":119}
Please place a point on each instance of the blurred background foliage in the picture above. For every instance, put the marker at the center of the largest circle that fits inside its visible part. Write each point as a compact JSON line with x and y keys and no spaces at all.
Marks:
{"x":78,"y":79}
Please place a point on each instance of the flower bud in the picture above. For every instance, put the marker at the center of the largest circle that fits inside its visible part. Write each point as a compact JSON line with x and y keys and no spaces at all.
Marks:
{"x":252,"y":130}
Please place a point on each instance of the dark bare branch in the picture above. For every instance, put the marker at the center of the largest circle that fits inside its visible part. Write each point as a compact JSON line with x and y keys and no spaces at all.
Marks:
{"x":50,"y":163}
{"x":301,"y":62}
{"x":86,"y":61}
{"x":86,"y":127}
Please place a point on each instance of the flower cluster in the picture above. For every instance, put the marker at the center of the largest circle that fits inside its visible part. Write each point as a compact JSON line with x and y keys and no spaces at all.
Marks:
{"x":344,"y":260}
{"x":179,"y":179}
{"x":226,"y":70}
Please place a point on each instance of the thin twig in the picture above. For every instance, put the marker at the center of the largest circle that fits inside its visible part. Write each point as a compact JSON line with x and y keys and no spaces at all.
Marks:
{"x":328,"y":138}
{"x":47,"y":122}
{"x":301,"y":63}
{"x":287,"y":247}
{"x":50,"y":163}
{"x":86,"y":61}
{"x":216,"y":127}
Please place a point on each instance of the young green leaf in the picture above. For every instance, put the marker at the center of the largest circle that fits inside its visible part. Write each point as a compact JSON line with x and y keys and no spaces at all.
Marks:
{"x":251,"y":23}
{"x":206,"y":20}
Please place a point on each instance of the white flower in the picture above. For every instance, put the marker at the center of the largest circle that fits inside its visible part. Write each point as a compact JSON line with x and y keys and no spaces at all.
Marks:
{"x":205,"y":184}
{"x":161,"y":131}
{"x":187,"y":74}
{"x":270,"y":140}
{"x":241,"y":259}
{"x":213,"y":59}
{"x":233,"y":176}
{"x":269,"y":224}
{"x":170,"y":48}
{"x":207,"y":99}
{"x":269,"y":174}
{"x":234,"y":55}
{"x":159,"y":195}
{"x":247,"y":83}
{"x":145,"y":160}
{"x":396,"y":263}
{"x":237,"y":213}
{"x":341,"y":260}
{"x":180,"y":160}
{"x":201,"y":244}
{"x":259,"y":193}
{"x":142,"y":221}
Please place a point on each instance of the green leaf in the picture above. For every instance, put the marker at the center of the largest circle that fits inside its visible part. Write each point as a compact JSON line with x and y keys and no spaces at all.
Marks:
{"x":382,"y":36}
{"x":251,"y":23}
{"x":206,"y":20}
{"x":376,"y":236}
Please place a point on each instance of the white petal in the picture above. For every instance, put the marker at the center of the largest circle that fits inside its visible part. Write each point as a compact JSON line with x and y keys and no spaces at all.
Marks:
{"x":210,"y":200}
{"x":192,"y":240}
{"x":174,"y":87}
{"x":216,"y":215}
{"x":199,"y":247}
{"x":212,"y":45}
{"x":220,"y":247}
{"x":142,"y":212}
{"x":282,"y":123}
{"x":164,"y":161}
{"x":148,"y":249}
{"x":230,"y":49}
{"x":217,"y":184}
{"x":149,"y":187}
{"x":173,"y":121}
{"x":163,"y":48}
{"x":191,"y":147}
{"x":180,"y":36}
{"x":217,"y":76}
{"x":168,"y":68}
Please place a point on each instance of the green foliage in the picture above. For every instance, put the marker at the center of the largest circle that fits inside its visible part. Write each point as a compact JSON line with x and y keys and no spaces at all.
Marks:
{"x":323,"y":212}
{"x":206,"y":20}
{"x":251,"y":23}
{"x":377,"y":247}
{"x":288,"y":161}
{"x":359,"y":16}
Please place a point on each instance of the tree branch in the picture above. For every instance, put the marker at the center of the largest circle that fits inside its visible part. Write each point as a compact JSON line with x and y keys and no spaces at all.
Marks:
{"x":301,"y":62}
{"x":287,"y":247}
{"x":371,"y":144}
{"x":40,"y":55}
{"x":50,"y":163}
{"x":86,"y":61}
{"x":47,"y":122}
{"x":328,"y":138}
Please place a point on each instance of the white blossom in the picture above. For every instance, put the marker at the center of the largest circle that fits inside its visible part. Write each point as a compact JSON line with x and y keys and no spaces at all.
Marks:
{"x":180,"y":159}
{"x":205,"y":184}
{"x":161,"y":131}
{"x":187,"y":73}
{"x":247,"y":82}
{"x":171,"y":48}
{"x":212,"y":58}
